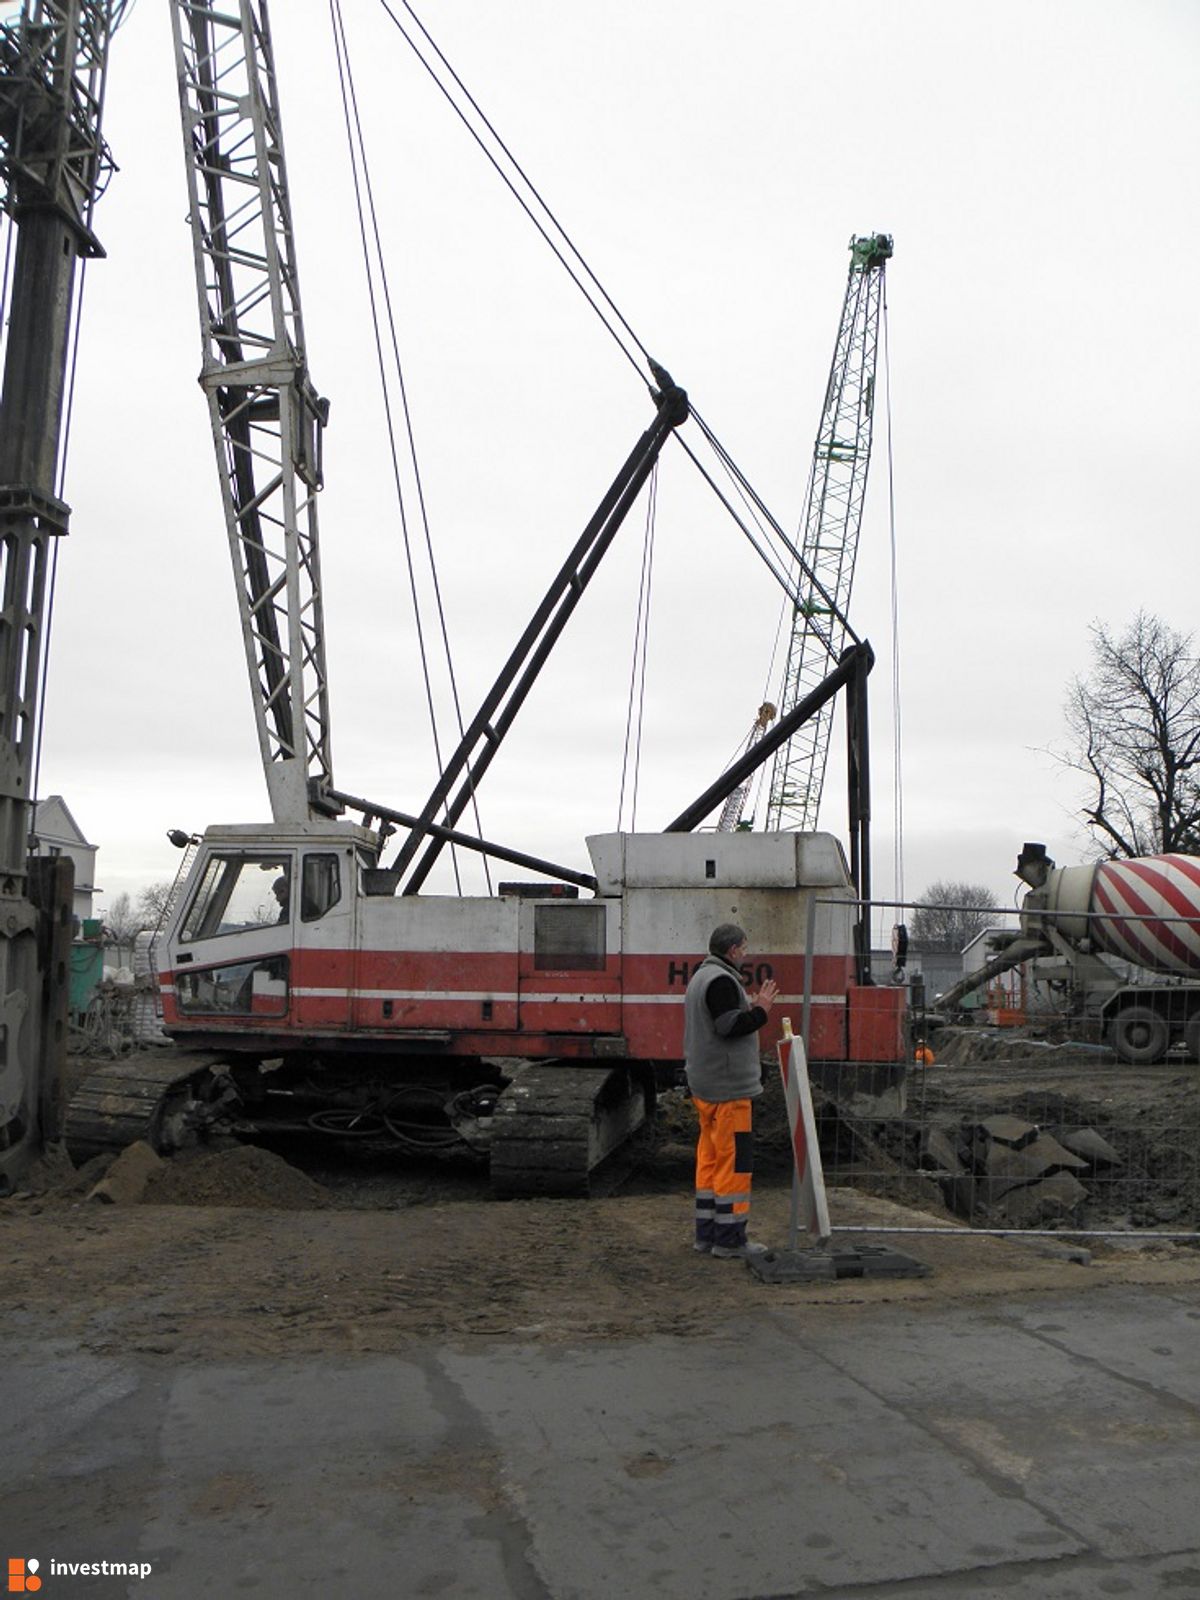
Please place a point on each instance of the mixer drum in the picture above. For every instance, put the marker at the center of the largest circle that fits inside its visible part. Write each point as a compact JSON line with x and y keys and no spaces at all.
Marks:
{"x":1142,"y":900}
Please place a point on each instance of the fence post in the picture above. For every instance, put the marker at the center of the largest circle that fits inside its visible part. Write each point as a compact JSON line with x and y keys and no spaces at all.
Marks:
{"x":810,"y":1210}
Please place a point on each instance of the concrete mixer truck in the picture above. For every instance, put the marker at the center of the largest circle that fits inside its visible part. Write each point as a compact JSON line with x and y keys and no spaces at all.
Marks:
{"x":1144,"y":913}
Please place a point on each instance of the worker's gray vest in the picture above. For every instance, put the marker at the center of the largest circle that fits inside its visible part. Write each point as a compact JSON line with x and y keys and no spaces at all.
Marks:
{"x":717,"y":1069}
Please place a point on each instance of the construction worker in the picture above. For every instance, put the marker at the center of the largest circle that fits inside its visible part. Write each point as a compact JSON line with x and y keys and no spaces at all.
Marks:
{"x":923,"y":1055}
{"x":720,"y":1046}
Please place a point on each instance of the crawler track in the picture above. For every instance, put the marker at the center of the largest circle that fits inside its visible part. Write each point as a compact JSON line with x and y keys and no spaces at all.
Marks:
{"x":554,"y":1125}
{"x":128,"y":1100}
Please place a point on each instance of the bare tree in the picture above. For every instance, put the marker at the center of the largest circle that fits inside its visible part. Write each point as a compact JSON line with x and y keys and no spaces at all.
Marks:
{"x":1135,"y":721}
{"x":121,"y":923}
{"x":152,"y":903}
{"x":949,"y":915}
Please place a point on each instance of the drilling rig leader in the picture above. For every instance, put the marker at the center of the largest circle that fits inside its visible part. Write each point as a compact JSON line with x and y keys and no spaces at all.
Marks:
{"x":720,"y":1046}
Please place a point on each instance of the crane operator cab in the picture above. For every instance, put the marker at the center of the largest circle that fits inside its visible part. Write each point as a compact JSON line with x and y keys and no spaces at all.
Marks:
{"x":251,"y":906}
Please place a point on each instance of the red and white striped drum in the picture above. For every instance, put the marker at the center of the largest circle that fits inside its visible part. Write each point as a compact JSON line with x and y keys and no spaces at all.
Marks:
{"x":1143,"y":900}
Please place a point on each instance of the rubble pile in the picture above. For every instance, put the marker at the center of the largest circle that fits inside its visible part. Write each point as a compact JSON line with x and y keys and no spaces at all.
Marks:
{"x":1012,"y":1172}
{"x":963,"y":1047}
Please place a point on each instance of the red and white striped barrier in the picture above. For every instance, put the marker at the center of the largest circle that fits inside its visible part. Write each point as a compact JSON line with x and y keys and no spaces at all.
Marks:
{"x":810,"y":1210}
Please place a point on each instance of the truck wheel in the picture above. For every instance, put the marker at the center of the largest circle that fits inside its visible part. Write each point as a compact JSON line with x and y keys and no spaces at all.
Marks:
{"x":1139,"y":1035}
{"x":1191,"y":1037}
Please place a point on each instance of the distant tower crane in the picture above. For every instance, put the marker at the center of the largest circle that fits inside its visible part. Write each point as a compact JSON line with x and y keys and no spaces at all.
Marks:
{"x":833,"y":513}
{"x":735,"y":804}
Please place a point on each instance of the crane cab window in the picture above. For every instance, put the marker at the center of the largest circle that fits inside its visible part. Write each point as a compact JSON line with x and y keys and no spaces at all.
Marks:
{"x":568,"y":938}
{"x":320,"y":886}
{"x":238,"y":893}
{"x":242,"y":988}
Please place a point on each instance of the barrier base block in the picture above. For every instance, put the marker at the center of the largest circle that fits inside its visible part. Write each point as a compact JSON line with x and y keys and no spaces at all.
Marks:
{"x":837,"y":1261}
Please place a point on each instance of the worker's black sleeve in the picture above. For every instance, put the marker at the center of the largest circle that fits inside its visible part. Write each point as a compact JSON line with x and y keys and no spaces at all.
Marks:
{"x":729,"y":1020}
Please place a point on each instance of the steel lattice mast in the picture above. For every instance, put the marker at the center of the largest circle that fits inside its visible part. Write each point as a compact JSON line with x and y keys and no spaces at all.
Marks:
{"x":267,"y":419}
{"x":53,"y":166}
{"x":833,"y":513}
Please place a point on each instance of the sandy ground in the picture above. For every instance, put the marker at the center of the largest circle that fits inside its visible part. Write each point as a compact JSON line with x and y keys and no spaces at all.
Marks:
{"x":503,"y":1398}
{"x":243,"y":1252}
{"x":198,"y":1280}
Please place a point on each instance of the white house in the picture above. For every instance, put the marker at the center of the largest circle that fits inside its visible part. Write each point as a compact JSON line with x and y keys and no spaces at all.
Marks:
{"x":56,"y":833}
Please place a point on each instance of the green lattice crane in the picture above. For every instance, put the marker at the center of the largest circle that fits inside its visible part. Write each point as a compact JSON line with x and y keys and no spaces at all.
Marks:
{"x":833,"y":512}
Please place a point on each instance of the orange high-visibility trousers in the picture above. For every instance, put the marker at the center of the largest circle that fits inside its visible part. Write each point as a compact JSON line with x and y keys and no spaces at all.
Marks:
{"x":724,"y":1163}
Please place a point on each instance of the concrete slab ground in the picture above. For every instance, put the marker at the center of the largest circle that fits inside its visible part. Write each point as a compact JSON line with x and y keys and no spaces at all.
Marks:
{"x":1047,"y":1446}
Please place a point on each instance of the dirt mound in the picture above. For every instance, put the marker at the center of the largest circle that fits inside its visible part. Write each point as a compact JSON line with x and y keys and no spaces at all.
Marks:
{"x":245,"y":1176}
{"x":54,"y":1176}
{"x":958,"y":1047}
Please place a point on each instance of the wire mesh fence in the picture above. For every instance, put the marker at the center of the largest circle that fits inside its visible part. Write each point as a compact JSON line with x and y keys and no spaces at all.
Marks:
{"x":1061,"y":1094}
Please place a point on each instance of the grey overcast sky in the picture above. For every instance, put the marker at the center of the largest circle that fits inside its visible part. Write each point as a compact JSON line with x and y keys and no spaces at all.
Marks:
{"x":1036,"y":164}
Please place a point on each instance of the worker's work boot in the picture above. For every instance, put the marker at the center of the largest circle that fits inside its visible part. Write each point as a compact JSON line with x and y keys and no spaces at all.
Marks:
{"x":739,"y":1252}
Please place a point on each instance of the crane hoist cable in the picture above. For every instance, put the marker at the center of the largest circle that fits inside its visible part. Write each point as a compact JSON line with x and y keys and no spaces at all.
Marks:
{"x":60,"y":485}
{"x":761,"y":544}
{"x":641,"y":644}
{"x":513,"y":187}
{"x":9,"y":235}
{"x":549,"y":226}
{"x":745,"y":487}
{"x":785,"y":608}
{"x":521,"y":187}
{"x":375,"y":264}
{"x":897,"y":743}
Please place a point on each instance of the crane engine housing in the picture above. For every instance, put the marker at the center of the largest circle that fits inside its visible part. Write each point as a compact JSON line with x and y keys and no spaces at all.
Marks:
{"x":321,"y":993}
